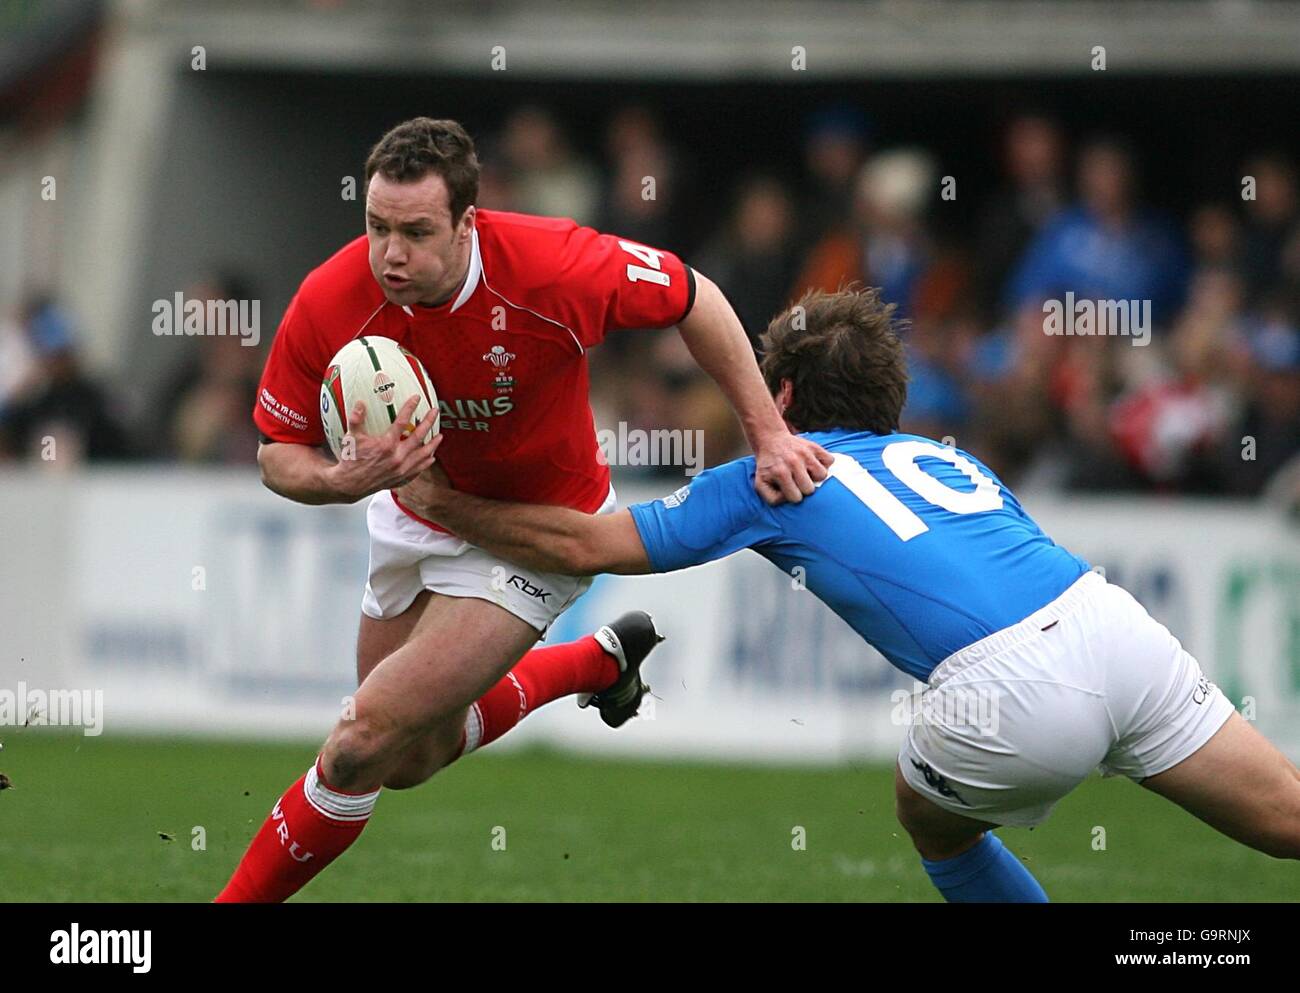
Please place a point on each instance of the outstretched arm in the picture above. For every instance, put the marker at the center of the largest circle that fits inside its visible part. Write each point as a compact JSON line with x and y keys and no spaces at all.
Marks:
{"x":549,"y":539}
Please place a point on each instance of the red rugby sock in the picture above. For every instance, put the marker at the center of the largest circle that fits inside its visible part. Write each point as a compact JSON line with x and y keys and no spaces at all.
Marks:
{"x":310,"y":826}
{"x":543,"y":675}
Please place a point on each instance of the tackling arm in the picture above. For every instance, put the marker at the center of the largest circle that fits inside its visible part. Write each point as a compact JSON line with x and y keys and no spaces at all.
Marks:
{"x":549,"y":539}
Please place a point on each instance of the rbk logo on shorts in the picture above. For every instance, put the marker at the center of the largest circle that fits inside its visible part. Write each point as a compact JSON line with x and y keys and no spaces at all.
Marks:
{"x":534,"y":591}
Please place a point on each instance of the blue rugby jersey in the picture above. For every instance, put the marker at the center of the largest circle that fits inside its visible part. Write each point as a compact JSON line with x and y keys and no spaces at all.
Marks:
{"x":919,"y":547}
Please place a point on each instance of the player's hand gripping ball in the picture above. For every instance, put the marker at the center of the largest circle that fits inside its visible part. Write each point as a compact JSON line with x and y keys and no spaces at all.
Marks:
{"x":381,"y":374}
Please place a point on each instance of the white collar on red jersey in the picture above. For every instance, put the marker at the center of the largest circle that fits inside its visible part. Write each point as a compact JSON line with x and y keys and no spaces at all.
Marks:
{"x":472,"y":278}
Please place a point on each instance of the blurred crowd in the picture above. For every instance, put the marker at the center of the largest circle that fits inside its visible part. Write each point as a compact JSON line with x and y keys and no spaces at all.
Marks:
{"x":54,"y":412}
{"x":1206,"y":400}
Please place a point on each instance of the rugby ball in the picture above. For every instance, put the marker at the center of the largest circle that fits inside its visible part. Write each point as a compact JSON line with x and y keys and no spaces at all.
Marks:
{"x":381,"y":374}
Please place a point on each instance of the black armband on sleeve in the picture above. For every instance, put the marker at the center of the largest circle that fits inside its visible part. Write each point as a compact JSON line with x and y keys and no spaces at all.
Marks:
{"x":690,"y":292}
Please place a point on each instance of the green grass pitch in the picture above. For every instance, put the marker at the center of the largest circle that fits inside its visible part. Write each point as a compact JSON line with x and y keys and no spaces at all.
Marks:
{"x":85,"y":819}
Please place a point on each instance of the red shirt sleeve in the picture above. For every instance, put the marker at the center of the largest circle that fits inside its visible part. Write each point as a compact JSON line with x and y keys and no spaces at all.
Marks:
{"x":288,"y":396}
{"x":607,"y":283}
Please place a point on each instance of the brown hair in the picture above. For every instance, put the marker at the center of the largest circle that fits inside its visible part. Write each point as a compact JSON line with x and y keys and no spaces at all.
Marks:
{"x":841,"y":351}
{"x":422,"y":145}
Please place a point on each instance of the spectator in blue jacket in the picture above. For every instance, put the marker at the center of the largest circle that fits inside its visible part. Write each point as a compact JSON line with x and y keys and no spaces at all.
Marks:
{"x":1107,"y":246}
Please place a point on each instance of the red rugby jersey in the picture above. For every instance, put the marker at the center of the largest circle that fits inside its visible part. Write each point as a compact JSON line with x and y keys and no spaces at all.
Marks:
{"x":506,"y":354}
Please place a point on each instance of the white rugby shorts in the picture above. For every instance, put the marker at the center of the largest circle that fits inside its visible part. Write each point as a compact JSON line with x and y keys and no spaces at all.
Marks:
{"x":407,"y":557}
{"x":1009,"y":725}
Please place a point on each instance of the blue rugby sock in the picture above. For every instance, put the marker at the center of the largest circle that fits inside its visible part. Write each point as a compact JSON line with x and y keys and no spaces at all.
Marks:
{"x":987,"y":873}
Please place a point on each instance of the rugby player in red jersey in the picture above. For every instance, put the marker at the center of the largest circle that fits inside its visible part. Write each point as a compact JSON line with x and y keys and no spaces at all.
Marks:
{"x":501,"y":309}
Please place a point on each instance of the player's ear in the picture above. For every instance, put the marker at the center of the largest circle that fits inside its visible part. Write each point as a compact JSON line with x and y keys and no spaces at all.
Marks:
{"x":785,"y":395}
{"x":467,"y":221}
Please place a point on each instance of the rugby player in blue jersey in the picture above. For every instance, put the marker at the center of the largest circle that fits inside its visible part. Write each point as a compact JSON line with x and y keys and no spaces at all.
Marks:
{"x":932,"y":560}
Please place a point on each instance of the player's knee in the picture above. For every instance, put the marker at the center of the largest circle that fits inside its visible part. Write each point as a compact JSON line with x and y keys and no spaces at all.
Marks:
{"x":354,"y":752}
{"x":931,"y":840}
